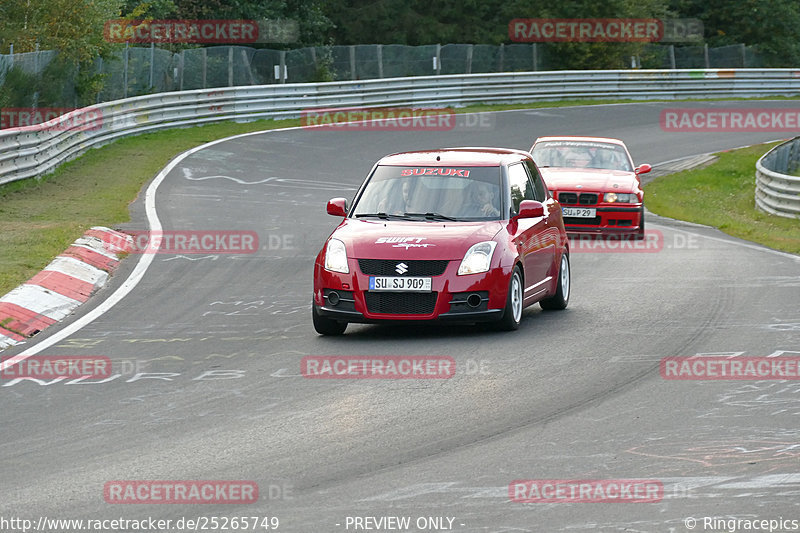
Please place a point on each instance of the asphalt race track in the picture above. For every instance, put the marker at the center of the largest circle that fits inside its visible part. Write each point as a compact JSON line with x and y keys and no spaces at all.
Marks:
{"x":209,"y":350}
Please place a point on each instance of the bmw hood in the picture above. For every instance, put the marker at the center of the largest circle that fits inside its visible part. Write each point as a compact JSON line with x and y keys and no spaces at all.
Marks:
{"x":589,"y":179}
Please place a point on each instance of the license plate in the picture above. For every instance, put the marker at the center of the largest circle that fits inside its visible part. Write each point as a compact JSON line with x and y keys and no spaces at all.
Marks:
{"x":397,"y":284}
{"x":579,"y":212}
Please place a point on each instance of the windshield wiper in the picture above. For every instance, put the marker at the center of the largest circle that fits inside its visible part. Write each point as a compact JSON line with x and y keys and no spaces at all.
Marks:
{"x":381,"y":215}
{"x":431,"y":216}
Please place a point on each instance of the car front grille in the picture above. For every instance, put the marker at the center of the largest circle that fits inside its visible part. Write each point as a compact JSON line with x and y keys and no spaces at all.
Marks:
{"x":389,"y":267}
{"x":573,"y":198}
{"x":401,"y":303}
{"x":568,"y":198}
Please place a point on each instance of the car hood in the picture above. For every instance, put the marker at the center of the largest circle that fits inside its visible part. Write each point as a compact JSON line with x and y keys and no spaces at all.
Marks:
{"x":390,"y":239}
{"x":590,"y":179}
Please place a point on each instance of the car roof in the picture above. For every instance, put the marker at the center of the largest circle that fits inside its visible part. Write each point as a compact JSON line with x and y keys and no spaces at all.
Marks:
{"x":466,"y":156}
{"x":608,"y":140}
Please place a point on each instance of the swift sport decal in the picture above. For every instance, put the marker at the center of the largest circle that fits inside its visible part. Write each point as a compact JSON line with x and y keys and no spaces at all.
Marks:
{"x":404,"y":242}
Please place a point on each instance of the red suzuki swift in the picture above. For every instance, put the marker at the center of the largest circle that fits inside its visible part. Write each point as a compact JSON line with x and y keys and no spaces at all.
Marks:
{"x":460,"y":234}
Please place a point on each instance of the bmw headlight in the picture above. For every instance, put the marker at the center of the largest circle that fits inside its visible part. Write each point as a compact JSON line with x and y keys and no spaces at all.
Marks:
{"x":620,"y":197}
{"x":336,"y":257}
{"x":477,"y":259}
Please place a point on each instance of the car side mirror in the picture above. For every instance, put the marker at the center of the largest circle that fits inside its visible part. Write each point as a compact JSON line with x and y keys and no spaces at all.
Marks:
{"x":643,"y":169}
{"x":530,"y":209}
{"x":337,"y":207}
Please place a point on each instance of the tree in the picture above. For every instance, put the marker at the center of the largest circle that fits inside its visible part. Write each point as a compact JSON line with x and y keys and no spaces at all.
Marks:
{"x":770,"y":25}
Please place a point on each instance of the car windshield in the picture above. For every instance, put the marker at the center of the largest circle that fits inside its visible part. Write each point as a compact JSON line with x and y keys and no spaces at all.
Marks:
{"x":581,"y":154}
{"x":432,"y":193}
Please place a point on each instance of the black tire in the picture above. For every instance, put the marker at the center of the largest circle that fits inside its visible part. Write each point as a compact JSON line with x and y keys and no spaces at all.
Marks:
{"x":326,"y":326}
{"x":512,"y":314}
{"x":561,"y":298}
{"x":640,"y":233}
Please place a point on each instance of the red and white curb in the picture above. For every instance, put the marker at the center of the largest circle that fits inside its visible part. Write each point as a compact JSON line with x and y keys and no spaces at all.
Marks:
{"x":63,"y":285}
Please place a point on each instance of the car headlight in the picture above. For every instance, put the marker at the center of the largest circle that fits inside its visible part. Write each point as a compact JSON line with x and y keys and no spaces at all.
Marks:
{"x":477,"y":259}
{"x":620,"y":197}
{"x":336,"y":257}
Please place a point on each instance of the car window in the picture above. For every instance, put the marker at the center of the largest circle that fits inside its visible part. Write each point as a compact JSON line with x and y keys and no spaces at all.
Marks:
{"x":424,"y":192}
{"x":539,"y":188}
{"x":520,"y":185}
{"x":581,"y":154}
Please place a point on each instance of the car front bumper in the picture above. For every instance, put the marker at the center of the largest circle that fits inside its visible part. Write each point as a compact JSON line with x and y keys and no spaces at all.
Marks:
{"x":452,"y":298}
{"x":608,"y":221}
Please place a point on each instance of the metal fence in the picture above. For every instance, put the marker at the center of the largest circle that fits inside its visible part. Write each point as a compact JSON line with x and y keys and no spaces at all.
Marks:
{"x":35,"y":150}
{"x":777,"y":180}
{"x":146,"y":70}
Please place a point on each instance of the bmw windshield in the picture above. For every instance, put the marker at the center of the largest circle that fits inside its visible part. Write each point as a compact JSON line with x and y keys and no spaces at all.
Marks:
{"x":581,"y":154}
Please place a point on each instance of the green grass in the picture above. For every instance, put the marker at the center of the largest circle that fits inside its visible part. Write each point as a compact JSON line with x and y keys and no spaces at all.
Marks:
{"x":40,"y":218}
{"x":722,"y":195}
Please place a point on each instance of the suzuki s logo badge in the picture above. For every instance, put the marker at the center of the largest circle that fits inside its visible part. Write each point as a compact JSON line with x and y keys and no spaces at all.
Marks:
{"x":401,"y":268}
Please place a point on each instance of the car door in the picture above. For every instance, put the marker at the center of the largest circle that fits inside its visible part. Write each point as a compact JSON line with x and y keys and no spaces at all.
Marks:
{"x":531,"y":235}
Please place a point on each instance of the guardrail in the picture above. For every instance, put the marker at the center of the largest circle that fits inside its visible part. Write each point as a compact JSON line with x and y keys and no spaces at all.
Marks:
{"x":36,"y":150}
{"x":778,"y":193}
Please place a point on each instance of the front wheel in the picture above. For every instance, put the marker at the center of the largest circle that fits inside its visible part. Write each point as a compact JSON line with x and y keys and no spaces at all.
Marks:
{"x":640,"y":234}
{"x":324,"y":325}
{"x":561,"y":298}
{"x":512,"y":314}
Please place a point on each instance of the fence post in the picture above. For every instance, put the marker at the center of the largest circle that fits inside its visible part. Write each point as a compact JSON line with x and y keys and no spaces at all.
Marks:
{"x":672,"y":63}
{"x":469,"y":58}
{"x":99,"y":71}
{"x":152,"y":59}
{"x":282,"y":75}
{"x":352,"y":62}
{"x":182,"y":63}
{"x":438,"y":59}
{"x":744,"y":55}
{"x":205,"y":67}
{"x":535,"y":58}
{"x":36,"y":69}
{"x":125,"y":71}
{"x":248,"y":66}
{"x":230,"y":66}
{"x":705,"y":53}
{"x":501,"y":58}
{"x":379,"y":52}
